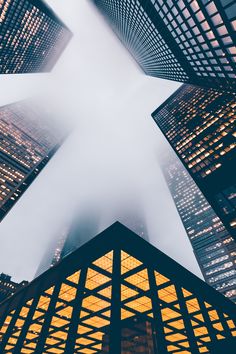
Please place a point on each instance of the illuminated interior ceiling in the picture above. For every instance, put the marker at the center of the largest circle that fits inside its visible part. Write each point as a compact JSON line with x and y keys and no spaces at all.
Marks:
{"x":116,"y":294}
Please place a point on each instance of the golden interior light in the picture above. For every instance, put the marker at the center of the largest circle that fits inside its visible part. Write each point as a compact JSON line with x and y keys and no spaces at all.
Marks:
{"x":74,"y":278}
{"x":160,"y":279}
{"x":128,"y":262}
{"x":105,"y":262}
{"x":139,"y":279}
{"x":95,"y":279}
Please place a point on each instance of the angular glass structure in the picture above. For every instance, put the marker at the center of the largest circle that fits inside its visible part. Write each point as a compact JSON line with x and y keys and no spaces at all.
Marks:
{"x":29,"y":139}
{"x":186,"y":41}
{"x":213,"y":246}
{"x":117,"y":294}
{"x":32,"y":37}
{"x":199,"y":124}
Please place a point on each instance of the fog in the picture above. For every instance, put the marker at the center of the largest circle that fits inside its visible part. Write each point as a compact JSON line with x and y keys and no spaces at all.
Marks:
{"x":109,"y":160}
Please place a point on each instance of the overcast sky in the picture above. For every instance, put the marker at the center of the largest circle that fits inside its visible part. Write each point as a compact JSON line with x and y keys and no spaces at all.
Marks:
{"x":111,"y":157}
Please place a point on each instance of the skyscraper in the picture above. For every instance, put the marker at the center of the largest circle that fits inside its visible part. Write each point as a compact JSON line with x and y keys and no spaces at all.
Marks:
{"x":186,"y":41}
{"x":117,"y":294}
{"x":84,"y":226}
{"x":213,"y":247}
{"x":52,"y":254}
{"x":32,"y":37}
{"x":9,"y":287}
{"x":28,"y":140}
{"x":200,"y":126}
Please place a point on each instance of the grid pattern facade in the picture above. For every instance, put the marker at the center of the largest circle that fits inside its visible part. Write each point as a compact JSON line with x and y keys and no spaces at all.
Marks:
{"x":27,"y":142}
{"x":115,"y":303}
{"x":200,"y":126}
{"x":141,"y":37}
{"x":188,"y":41}
{"x":214,"y":248}
{"x":32,"y":37}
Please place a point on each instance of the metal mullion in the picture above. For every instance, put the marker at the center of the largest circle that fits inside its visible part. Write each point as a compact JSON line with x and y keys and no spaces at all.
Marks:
{"x":100,"y":270}
{"x":115,"y":324}
{"x":156,"y":308}
{"x":15,"y":316}
{"x":28,"y":321}
{"x":187,"y":321}
{"x":75,"y":317}
{"x":48,"y":317}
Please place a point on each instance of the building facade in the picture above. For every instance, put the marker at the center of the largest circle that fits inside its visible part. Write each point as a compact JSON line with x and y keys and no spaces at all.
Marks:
{"x":186,"y":41}
{"x":28,"y":140}
{"x":32,"y":37}
{"x":117,"y":294}
{"x":9,"y":287}
{"x":200,"y":126}
{"x":214,"y":248}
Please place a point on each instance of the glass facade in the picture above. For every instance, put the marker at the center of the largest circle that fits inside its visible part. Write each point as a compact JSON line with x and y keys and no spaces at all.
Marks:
{"x":200,"y":126}
{"x":28,"y":141}
{"x":32,"y":37}
{"x":213,"y":247}
{"x":188,"y":41}
{"x":116,"y":295}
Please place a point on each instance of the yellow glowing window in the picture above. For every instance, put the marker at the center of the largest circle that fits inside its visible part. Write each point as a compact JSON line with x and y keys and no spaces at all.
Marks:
{"x":192,"y":305}
{"x":105,"y":262}
{"x":128,"y":262}
{"x":87,"y":351}
{"x":67,"y":293}
{"x":43,"y":303}
{"x":186,"y":293}
{"x":169,"y":314}
{"x":177,"y":324}
{"x":96,"y":322}
{"x":231,"y":324}
{"x":84,"y":341}
{"x":199,"y":317}
{"x":65,"y":312}
{"x":126,"y":292}
{"x":106,"y":292}
{"x":58,"y":322}
{"x":200,"y":331}
{"x":107,"y":313}
{"x":218,"y":326}
{"x":141,"y":304}
{"x":35,"y":328}
{"x":97,"y":335}
{"x":74,"y":278}
{"x":139,"y":279}
{"x":60,"y":335}
{"x":95,"y":279}
{"x":51,"y":341}
{"x":50,"y":290}
{"x":160,"y":279}
{"x":93,"y":303}
{"x":83,"y":329}
{"x":126,"y":314}
{"x":175,"y":337}
{"x":37,"y":314}
{"x":168,"y":294}
{"x":213,"y":315}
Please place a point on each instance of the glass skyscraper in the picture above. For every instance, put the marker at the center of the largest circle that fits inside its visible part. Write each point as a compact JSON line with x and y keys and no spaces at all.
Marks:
{"x":200,"y":126}
{"x":214,"y":248}
{"x":186,"y":41}
{"x":28,"y":140}
{"x":32,"y":37}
